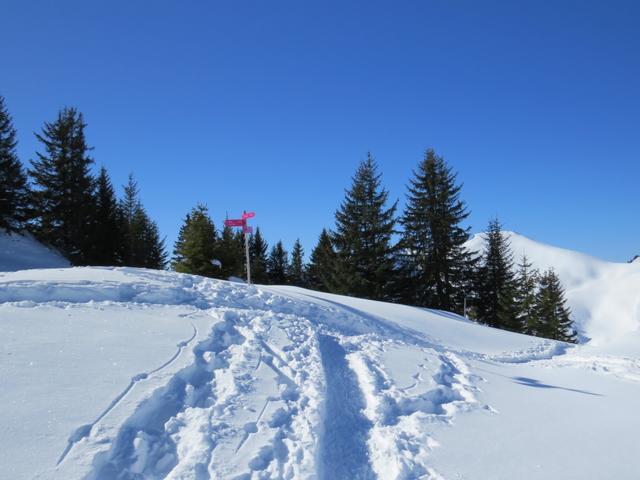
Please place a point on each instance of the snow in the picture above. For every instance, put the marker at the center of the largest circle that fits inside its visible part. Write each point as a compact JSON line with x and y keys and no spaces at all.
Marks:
{"x":130,"y":373}
{"x":19,"y":252}
{"x":603,"y":296}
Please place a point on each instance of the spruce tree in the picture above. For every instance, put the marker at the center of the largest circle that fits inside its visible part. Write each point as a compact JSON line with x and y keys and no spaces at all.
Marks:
{"x":141,"y":245}
{"x":297,"y":275}
{"x":436,"y":265}
{"x":230,"y":252}
{"x":322,"y":265}
{"x":63,"y":197}
{"x":496,"y":284}
{"x":278,"y":265}
{"x":106,"y":235}
{"x":258,"y":254}
{"x":553,"y":315}
{"x":526,"y":289}
{"x":362,"y":239}
{"x":196,"y":246}
{"x":14,"y":191}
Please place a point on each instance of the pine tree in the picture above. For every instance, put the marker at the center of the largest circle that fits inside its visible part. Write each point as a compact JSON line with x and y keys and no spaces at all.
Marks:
{"x":196,"y":246}
{"x":526,"y":290}
{"x":364,"y":227}
{"x":297,"y":275}
{"x":63,"y":196}
{"x":14,"y":191}
{"x":553,"y":315}
{"x":322,"y":265}
{"x":258,"y":254}
{"x":496,"y":284}
{"x":141,"y":245}
{"x":436,"y":265}
{"x":278,"y":265}
{"x":106,"y":235}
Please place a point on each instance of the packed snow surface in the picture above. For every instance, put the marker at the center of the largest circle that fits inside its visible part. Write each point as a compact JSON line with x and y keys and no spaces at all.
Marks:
{"x":117,"y":373}
{"x":19,"y":252}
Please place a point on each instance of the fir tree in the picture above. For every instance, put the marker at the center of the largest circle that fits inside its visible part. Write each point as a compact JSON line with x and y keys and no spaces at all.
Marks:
{"x":14,"y":191}
{"x":364,"y":227}
{"x":195,"y":248}
{"x":526,"y":289}
{"x":322,"y":265}
{"x":63,"y":196}
{"x":496,"y":283}
{"x":278,"y":265}
{"x":436,"y":265}
{"x":141,"y":245}
{"x":230,"y":252}
{"x":258,"y":254}
{"x":553,"y":315}
{"x":106,"y":242}
{"x":297,"y":275}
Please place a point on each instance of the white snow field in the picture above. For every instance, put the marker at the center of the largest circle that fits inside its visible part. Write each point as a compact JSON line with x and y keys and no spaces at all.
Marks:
{"x":119,"y":373}
{"x":18,"y":252}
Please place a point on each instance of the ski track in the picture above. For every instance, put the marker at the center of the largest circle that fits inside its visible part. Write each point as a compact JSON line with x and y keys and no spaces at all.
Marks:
{"x":302,"y":385}
{"x":85,"y":430}
{"x":343,"y":449}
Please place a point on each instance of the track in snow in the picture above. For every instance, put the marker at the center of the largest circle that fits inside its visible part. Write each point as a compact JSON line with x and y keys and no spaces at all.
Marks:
{"x":343,"y":450}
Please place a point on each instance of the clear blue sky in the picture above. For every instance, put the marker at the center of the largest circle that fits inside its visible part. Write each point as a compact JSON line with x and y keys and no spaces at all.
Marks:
{"x":270,"y":105}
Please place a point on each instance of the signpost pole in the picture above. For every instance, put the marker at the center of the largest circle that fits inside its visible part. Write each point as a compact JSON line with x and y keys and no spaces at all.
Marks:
{"x":246,"y":251}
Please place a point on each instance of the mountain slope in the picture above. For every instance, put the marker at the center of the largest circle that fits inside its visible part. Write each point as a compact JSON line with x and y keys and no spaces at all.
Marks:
{"x":603,"y":296}
{"x":130,"y":373}
{"x":19,"y":252}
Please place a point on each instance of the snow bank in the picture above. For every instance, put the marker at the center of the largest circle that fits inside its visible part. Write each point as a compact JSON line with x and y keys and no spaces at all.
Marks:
{"x":19,"y":252}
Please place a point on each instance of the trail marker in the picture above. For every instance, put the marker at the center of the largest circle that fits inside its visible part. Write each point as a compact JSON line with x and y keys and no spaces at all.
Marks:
{"x":247,"y":230}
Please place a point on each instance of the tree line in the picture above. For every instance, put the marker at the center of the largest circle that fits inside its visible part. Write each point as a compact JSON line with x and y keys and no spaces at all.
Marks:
{"x":417,"y":256}
{"x":68,"y":207}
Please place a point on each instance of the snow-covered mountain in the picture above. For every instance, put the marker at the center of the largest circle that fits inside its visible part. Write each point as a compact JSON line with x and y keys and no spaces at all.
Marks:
{"x":128,"y":373}
{"x":19,"y":252}
{"x":604,"y":296}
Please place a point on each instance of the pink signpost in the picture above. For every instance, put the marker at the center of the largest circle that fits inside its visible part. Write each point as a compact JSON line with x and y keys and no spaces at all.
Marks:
{"x":247,"y":230}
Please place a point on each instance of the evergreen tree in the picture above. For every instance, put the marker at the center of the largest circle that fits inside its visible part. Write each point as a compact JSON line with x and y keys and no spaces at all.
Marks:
{"x":496,"y":283}
{"x":364,"y":227}
{"x":436,"y":265}
{"x":14,"y":191}
{"x":258,"y":254}
{"x":230,"y":252}
{"x":278,"y":265}
{"x":297,"y":274}
{"x":322,"y":265}
{"x":141,"y":245}
{"x":553,"y":315}
{"x":106,"y":235}
{"x":63,"y":196}
{"x":196,"y":246}
{"x":526,"y":290}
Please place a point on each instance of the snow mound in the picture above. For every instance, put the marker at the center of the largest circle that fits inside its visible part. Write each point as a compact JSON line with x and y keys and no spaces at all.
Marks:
{"x":19,"y":252}
{"x":604,"y":296}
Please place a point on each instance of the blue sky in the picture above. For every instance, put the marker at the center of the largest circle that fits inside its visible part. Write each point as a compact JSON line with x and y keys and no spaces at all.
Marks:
{"x":269,"y":106}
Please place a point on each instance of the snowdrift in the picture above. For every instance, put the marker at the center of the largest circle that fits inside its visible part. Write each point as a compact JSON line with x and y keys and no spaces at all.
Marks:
{"x":604,"y":296}
{"x":19,"y":252}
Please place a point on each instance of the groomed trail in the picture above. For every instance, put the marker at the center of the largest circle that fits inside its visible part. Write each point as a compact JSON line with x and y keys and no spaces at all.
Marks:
{"x":210,"y":379}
